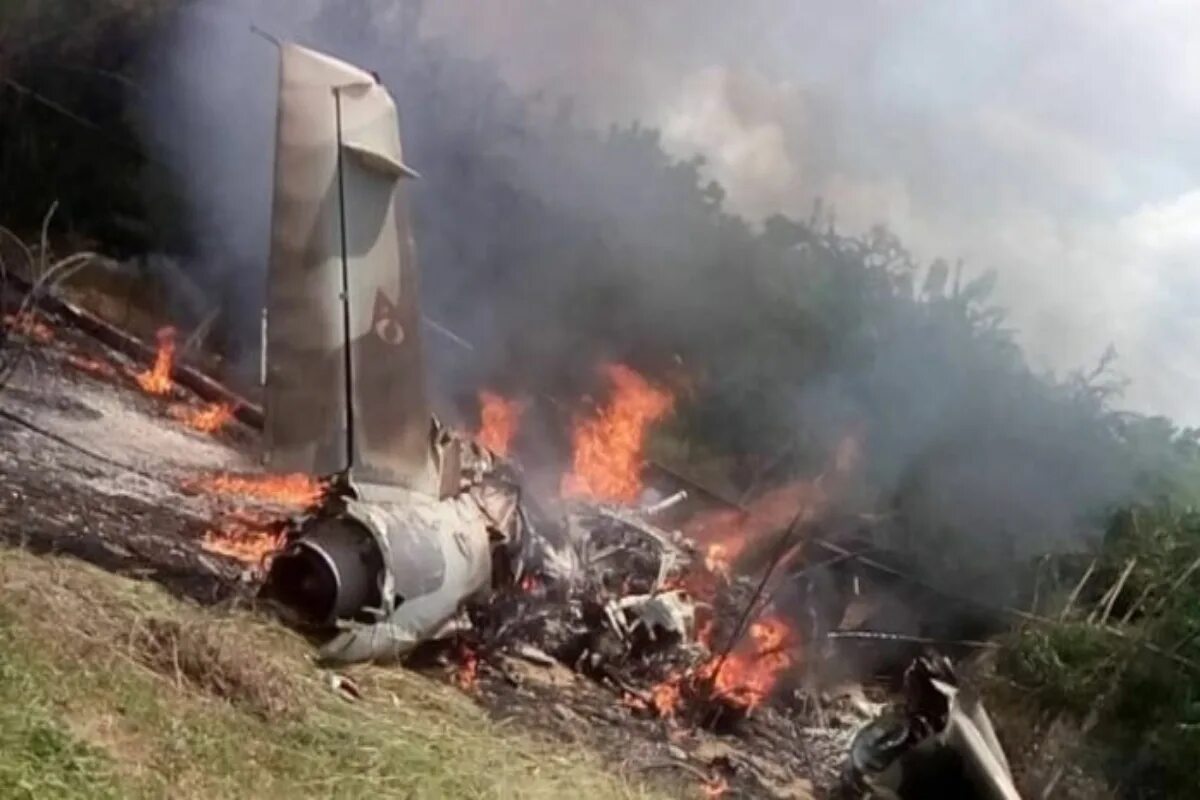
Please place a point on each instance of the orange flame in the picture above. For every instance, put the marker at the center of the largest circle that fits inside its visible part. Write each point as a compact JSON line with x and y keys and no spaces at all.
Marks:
{"x":608,"y":447}
{"x":724,"y":533}
{"x":667,"y":696}
{"x":29,"y":325}
{"x":499,"y":418}
{"x":467,"y":676}
{"x":296,"y":490}
{"x":749,"y":673}
{"x":157,"y":379}
{"x":209,"y":419}
{"x":249,"y":538}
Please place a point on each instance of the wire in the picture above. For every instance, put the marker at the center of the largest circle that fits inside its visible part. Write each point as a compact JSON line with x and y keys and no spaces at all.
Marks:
{"x":65,"y":442}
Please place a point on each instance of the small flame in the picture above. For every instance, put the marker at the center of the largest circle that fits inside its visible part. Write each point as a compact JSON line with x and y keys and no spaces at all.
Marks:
{"x":667,"y":696}
{"x":467,"y":676}
{"x":92,"y":366}
{"x":499,"y":418}
{"x":209,"y":419}
{"x":607,"y":448}
{"x":249,"y":538}
{"x":749,"y":673}
{"x":714,"y":788}
{"x":726,"y":532}
{"x":29,"y":325}
{"x":157,"y":379}
{"x":297,"y":490}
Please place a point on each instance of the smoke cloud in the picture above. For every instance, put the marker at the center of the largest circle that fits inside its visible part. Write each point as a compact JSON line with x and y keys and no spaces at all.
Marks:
{"x":1050,"y":141}
{"x":1032,"y":140}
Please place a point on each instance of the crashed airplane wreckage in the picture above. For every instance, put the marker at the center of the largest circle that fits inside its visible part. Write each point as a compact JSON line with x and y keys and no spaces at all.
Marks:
{"x":418,"y":524}
{"x":414,"y":517}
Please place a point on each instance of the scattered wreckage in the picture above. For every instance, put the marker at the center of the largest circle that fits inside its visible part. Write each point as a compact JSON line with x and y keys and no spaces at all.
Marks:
{"x":939,"y":743}
{"x":422,"y":533}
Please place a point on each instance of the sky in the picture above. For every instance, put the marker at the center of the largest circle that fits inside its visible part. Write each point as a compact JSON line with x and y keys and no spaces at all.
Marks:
{"x":1057,"y":141}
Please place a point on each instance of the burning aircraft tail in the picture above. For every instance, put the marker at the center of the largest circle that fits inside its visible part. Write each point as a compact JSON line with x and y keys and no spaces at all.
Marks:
{"x":344,"y":377}
{"x":401,"y":543}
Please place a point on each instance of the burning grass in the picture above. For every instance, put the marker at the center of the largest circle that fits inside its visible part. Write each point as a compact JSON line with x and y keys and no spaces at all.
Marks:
{"x":109,"y":688}
{"x":207,"y":419}
{"x":295,"y":490}
{"x":247,"y":537}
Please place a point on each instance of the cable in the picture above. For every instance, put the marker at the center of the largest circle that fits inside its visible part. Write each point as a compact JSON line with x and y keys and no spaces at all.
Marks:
{"x":65,"y":442}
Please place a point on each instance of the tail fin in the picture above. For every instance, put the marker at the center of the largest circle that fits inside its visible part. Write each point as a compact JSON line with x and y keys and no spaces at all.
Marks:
{"x":345,"y":388}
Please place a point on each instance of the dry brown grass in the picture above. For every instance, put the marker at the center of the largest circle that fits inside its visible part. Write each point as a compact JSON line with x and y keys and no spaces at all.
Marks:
{"x":109,"y":687}
{"x":213,"y":659}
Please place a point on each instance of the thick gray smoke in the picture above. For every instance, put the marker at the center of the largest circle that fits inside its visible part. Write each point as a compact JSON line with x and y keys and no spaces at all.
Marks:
{"x":552,"y":243}
{"x":1052,"y":141}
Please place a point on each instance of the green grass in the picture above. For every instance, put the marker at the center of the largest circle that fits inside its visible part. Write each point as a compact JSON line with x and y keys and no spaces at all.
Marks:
{"x":111,"y":688}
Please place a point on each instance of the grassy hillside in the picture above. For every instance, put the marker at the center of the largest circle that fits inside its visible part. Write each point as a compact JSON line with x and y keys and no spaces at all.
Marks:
{"x":112,"y":688}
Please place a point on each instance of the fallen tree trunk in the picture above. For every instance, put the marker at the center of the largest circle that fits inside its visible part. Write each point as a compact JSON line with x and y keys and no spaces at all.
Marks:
{"x":189,"y":377}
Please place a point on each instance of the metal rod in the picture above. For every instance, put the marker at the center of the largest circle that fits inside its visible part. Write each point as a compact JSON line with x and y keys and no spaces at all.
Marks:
{"x":349,"y":377}
{"x":784,"y":544}
{"x":886,"y":636}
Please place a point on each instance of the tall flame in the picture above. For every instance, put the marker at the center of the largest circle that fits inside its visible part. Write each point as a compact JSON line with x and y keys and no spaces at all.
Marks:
{"x":607,"y":448}
{"x":157,"y":379}
{"x":499,"y":418}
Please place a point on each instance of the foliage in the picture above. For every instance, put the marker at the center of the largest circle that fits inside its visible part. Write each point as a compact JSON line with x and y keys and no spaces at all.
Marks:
{"x":1140,"y":691}
{"x":67,"y":78}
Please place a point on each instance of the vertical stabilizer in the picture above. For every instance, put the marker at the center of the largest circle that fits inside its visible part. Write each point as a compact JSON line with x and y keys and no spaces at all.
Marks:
{"x":345,"y":379}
